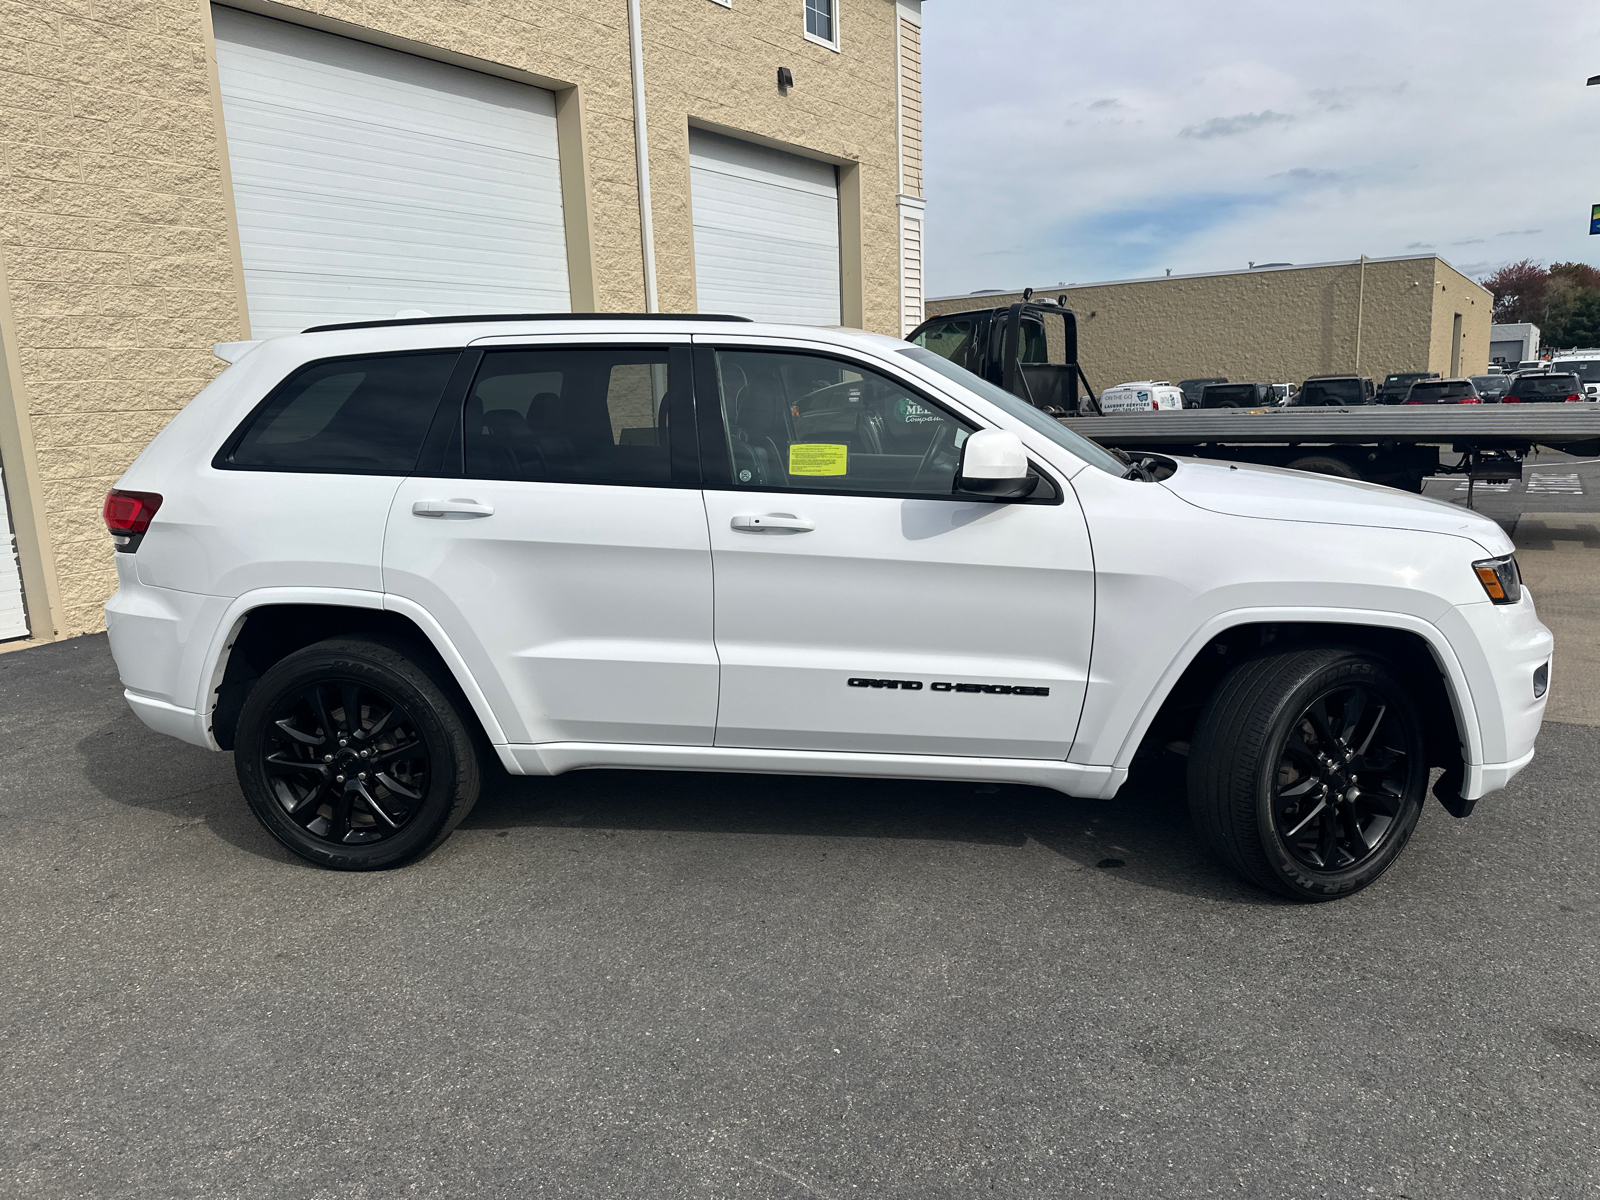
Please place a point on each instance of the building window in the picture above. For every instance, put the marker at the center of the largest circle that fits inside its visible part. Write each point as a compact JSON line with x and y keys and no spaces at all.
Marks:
{"x":820,"y":24}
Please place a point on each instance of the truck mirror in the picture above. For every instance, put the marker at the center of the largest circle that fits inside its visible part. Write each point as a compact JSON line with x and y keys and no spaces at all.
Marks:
{"x":994,"y":464}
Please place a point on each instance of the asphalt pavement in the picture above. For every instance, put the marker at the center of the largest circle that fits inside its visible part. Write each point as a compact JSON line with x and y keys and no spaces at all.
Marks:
{"x":620,"y":984}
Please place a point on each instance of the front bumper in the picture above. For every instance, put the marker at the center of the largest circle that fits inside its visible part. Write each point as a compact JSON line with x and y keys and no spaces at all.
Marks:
{"x":1500,"y":647}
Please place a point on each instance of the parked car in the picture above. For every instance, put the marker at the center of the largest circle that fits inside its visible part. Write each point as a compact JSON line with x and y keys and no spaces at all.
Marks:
{"x":1192,"y":389}
{"x":1586,"y":368}
{"x":1491,"y":387}
{"x":1282,"y":393}
{"x":1237,"y":395}
{"x":1397,"y":387}
{"x":1147,"y":395}
{"x":1443,"y":391}
{"x":377,"y":560}
{"x":1543,"y":387}
{"x":1334,"y":391}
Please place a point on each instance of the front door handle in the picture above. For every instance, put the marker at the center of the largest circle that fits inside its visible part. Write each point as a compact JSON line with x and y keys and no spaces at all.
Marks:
{"x":771,"y":523}
{"x":457,"y":509}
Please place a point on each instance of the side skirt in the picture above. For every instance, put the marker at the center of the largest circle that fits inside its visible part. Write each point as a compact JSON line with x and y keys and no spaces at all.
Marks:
{"x":557,"y":758}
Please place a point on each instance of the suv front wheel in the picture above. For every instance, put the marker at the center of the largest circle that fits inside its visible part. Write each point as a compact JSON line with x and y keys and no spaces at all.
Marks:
{"x":1308,"y":771}
{"x":355,"y":755}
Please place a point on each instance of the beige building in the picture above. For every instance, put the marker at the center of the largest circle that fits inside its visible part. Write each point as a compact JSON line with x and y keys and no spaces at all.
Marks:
{"x":175,"y":173}
{"x":1276,"y":324}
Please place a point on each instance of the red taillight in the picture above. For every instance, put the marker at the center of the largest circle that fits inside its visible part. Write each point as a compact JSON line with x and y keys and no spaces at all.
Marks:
{"x":1470,"y":400}
{"x":129,"y":512}
{"x":1572,"y":399}
{"x":1510,"y":399}
{"x":1155,"y":406}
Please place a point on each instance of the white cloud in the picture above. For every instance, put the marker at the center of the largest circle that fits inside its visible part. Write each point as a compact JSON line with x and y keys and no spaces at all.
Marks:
{"x":1071,"y":140}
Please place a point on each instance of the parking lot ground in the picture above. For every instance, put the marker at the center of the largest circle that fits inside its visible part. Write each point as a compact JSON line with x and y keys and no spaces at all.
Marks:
{"x":653,"y":985}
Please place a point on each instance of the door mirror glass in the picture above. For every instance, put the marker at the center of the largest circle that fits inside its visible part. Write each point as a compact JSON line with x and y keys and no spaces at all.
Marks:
{"x":994,"y":464}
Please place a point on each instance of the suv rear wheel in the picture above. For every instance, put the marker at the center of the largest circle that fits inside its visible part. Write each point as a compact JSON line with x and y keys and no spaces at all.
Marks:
{"x":1308,"y":771}
{"x":355,"y":755}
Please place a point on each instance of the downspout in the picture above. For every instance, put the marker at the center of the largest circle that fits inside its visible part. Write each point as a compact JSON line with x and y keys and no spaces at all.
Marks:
{"x":1361,"y":296}
{"x":641,"y":144}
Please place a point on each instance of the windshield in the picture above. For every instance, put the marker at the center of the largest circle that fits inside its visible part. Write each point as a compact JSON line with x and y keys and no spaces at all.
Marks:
{"x":1090,"y":452}
{"x":1586,"y":369}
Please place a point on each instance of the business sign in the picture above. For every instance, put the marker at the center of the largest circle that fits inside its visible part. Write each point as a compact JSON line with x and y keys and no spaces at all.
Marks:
{"x":1594,"y":219}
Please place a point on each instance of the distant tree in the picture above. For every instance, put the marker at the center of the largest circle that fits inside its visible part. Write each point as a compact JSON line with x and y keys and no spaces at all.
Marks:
{"x":1519,"y":291}
{"x":1581,"y":275}
{"x":1579,"y":325}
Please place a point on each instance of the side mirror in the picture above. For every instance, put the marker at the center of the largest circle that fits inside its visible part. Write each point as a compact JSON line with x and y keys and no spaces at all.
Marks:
{"x":994,"y":464}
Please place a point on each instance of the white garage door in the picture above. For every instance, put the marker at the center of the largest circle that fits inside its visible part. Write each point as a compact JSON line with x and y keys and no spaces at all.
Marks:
{"x":766,"y":232}
{"x":13,"y":617}
{"x":369,"y":181}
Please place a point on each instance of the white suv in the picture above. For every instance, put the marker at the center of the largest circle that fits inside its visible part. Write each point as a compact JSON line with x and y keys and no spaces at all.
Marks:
{"x":371,"y":558}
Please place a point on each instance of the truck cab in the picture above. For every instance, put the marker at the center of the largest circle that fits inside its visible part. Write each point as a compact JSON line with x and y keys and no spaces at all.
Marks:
{"x":1029,"y":349}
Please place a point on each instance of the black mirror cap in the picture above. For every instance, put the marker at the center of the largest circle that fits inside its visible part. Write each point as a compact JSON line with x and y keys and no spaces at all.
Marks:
{"x":999,"y":489}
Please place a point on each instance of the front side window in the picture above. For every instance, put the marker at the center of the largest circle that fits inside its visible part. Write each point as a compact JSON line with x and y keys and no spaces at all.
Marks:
{"x":349,"y":416}
{"x":810,"y":423}
{"x":573,"y":415}
{"x":819,"y":19}
{"x":953,"y":338}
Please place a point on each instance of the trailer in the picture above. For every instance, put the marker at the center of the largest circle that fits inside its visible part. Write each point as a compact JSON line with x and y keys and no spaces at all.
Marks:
{"x":1397,"y":445}
{"x":1031,"y":350}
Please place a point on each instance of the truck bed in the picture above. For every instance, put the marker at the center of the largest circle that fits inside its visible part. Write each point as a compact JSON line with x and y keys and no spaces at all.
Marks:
{"x":1484,"y":427}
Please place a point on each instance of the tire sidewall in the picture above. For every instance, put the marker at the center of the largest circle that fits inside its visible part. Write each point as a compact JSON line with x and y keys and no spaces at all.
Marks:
{"x":1328,"y":885}
{"x":422,"y":702}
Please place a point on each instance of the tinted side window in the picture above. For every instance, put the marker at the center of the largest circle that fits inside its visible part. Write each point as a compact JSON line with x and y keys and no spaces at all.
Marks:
{"x":571,"y":414}
{"x":811,"y":423}
{"x":951,"y":338}
{"x":346,"y":416}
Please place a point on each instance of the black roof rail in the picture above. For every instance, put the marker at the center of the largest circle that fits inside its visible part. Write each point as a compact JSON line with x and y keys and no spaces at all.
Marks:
{"x":472,"y":317}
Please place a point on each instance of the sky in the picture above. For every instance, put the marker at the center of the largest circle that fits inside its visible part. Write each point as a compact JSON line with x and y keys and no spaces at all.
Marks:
{"x":1073,"y":141}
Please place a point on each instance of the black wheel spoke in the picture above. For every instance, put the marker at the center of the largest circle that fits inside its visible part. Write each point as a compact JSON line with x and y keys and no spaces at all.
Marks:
{"x":339,"y":823}
{"x":308,"y":739}
{"x":399,"y":789}
{"x":377,"y":808}
{"x":319,"y":705}
{"x":350,"y":701}
{"x":277,"y":764}
{"x":1384,"y":801}
{"x":408,"y":750}
{"x":1317,"y":714}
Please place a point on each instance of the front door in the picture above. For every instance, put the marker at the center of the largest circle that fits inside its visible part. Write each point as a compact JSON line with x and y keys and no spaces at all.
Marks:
{"x":860,"y":605}
{"x":563,"y":545}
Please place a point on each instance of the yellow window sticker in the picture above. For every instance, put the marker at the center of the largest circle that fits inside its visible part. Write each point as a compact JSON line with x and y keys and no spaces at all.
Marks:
{"x":817,"y":459}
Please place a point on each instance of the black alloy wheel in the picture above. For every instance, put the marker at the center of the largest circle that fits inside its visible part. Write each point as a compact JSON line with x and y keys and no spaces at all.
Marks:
{"x":1342,"y":777}
{"x":1308,"y":770}
{"x":355,"y":753}
{"x":346,"y":762}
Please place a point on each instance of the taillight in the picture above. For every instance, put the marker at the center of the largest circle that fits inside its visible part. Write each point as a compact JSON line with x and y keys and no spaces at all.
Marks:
{"x":1471,"y":400}
{"x":1571,"y":399}
{"x":1510,"y":399}
{"x":127,"y":516}
{"x":1155,"y":406}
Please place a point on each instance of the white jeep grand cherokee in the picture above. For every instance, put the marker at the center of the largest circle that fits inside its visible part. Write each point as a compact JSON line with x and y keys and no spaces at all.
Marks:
{"x":368,"y":558}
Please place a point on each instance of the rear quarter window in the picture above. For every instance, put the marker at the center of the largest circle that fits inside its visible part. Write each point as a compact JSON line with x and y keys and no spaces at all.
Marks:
{"x":365,"y":416}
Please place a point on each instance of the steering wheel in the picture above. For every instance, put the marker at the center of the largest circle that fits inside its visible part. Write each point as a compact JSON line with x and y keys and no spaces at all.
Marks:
{"x":945,"y":435}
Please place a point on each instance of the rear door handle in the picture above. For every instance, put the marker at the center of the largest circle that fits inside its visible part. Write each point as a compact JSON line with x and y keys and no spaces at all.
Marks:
{"x":771,"y":523}
{"x":458,"y":509}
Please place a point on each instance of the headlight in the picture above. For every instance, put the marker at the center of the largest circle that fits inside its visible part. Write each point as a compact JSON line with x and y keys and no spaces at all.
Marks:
{"x":1500,"y":578}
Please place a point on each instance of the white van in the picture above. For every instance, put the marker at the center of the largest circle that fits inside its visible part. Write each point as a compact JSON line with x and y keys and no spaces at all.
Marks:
{"x":1146,"y":395}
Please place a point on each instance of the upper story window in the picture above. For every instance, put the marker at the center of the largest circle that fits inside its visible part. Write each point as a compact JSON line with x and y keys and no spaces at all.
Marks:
{"x":821,"y":23}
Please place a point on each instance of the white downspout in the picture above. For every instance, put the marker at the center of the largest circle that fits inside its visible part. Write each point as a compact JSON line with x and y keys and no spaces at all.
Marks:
{"x":641,"y":143}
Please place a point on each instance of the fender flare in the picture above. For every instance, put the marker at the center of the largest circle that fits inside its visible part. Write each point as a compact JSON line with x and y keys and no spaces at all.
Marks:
{"x":1455,"y":677}
{"x":240,"y":609}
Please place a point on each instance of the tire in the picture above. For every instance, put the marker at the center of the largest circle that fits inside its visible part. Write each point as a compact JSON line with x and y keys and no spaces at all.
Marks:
{"x":1274,"y":813}
{"x":384,"y":795}
{"x":1325,"y":464}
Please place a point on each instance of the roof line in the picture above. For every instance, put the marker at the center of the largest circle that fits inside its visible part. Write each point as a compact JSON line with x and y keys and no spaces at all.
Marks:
{"x":473,"y":318}
{"x":1261,"y":270}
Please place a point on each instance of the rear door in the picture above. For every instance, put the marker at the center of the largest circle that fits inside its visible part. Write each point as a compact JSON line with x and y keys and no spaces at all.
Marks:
{"x":560,"y":540}
{"x":860,"y":605}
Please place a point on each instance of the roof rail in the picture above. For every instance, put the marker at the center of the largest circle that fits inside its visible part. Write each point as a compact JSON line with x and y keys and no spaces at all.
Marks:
{"x":474,"y":317}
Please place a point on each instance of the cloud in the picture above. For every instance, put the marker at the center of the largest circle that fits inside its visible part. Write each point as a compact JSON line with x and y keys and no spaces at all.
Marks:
{"x":1419,"y":245}
{"x":1108,"y":102}
{"x":1468,"y":242}
{"x":1519,"y":233}
{"x":1309,"y":176}
{"x":1218,"y":127}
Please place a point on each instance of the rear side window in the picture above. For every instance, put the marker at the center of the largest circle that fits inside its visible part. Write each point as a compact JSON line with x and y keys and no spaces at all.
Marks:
{"x":347,"y":416}
{"x":1555,"y":386}
{"x":573,"y":415}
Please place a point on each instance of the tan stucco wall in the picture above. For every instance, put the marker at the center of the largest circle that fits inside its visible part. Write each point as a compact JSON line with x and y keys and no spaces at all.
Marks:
{"x":116,"y":235}
{"x":1274,"y":326}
